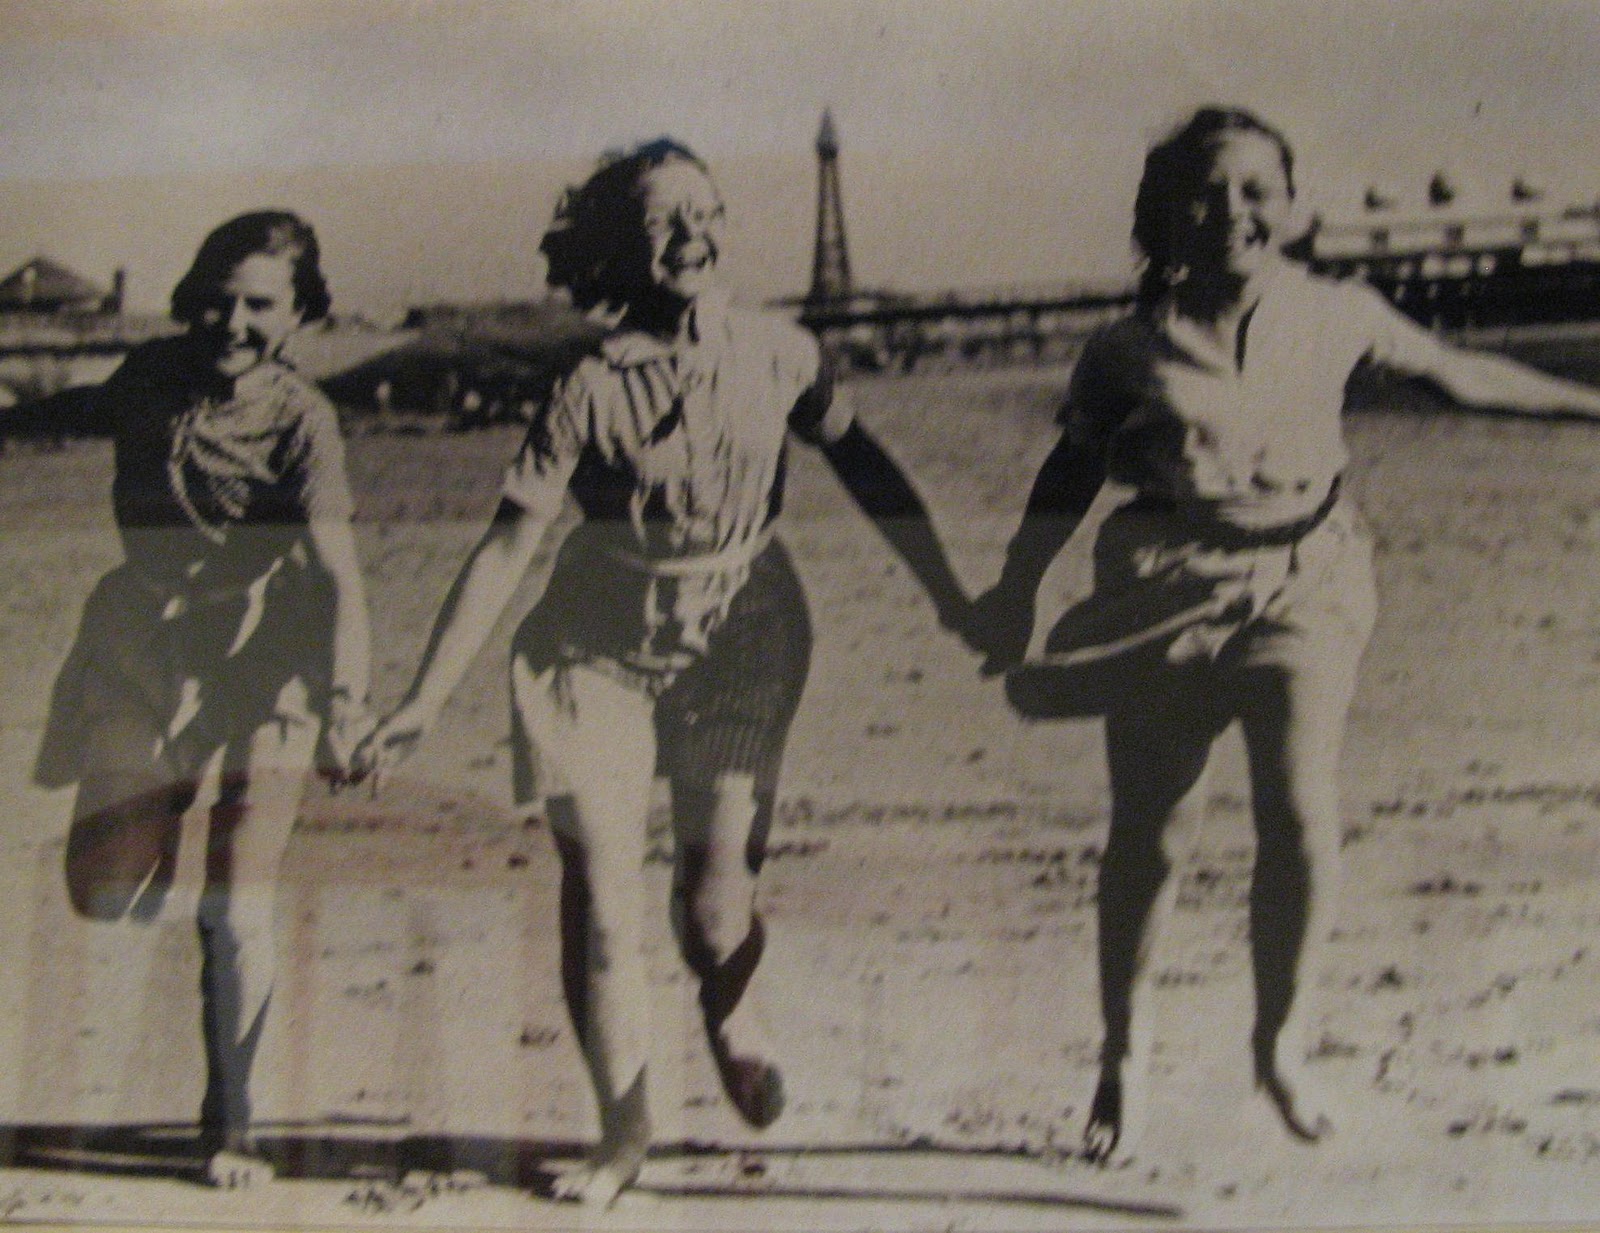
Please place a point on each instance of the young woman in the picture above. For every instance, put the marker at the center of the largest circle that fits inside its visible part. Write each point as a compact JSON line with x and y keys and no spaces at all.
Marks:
{"x":1236,"y":584}
{"x":236,"y":623}
{"x":673,"y":632}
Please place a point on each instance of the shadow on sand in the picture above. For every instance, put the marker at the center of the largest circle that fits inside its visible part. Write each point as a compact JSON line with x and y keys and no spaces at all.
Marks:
{"x":376,"y":1155}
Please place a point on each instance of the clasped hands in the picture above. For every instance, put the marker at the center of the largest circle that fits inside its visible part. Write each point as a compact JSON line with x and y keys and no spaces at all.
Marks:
{"x":384,"y":745}
{"x":359,"y":749}
{"x":364,"y":751}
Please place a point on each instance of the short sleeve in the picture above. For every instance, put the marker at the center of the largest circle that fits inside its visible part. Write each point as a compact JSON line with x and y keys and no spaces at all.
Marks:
{"x":537,"y":478}
{"x":319,"y":458}
{"x":1098,"y":399}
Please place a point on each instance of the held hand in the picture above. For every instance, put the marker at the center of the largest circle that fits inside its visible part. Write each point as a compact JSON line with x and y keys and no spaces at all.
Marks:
{"x":999,"y":627}
{"x":955,"y":616}
{"x":389,"y":744}
{"x":349,"y":725}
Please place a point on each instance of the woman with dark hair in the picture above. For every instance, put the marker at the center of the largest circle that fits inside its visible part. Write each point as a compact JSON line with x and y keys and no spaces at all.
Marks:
{"x":1236,"y":584}
{"x":236,"y":625}
{"x":673,"y":631}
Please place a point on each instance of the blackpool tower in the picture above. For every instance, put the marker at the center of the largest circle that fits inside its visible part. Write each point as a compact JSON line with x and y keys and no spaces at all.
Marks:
{"x":830,"y":262}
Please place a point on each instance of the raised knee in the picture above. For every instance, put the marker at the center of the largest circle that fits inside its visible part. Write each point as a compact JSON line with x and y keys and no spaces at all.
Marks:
{"x":713,"y":914}
{"x":106,"y":890}
{"x":721,"y":903}
{"x":100,"y":899}
{"x":735,"y":793}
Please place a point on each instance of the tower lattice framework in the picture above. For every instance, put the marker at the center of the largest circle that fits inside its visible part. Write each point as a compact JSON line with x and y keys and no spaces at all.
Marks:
{"x":830,"y":262}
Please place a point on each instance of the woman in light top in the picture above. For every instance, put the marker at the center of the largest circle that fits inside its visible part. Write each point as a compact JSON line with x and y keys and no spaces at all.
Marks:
{"x":673,"y":632}
{"x":1235,"y":585}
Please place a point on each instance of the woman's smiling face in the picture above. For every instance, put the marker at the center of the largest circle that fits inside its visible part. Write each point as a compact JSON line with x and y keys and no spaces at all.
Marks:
{"x":680,"y":213}
{"x":250,"y":314}
{"x":1239,"y":218}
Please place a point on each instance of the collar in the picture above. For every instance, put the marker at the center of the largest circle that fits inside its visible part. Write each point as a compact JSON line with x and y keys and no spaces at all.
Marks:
{"x":1285,"y":279}
{"x":704,"y":325}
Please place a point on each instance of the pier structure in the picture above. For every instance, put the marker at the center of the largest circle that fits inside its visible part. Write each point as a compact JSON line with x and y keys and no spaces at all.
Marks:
{"x":880,"y":329}
{"x":59,"y":330}
{"x":1512,"y":267}
{"x":1520,"y":265}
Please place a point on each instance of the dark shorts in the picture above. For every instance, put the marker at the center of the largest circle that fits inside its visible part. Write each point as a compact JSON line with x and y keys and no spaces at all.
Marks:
{"x":120,"y":689}
{"x":732,"y":709}
{"x":728,"y":711}
{"x":144,"y":699}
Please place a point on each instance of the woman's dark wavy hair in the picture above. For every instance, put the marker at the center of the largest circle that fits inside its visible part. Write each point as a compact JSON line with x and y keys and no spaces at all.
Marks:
{"x":592,"y":243}
{"x":270,"y":233}
{"x":1173,"y":172}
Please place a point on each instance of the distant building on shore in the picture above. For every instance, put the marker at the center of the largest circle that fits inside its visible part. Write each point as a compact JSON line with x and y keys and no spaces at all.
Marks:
{"x":59,"y":331}
{"x":1450,"y":268}
{"x":42,"y":286}
{"x":468,"y":364}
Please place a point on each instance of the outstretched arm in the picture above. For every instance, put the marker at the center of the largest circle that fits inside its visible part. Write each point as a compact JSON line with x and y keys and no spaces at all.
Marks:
{"x":1002,"y":617}
{"x":1481,"y":379}
{"x":477,"y":598}
{"x":884,"y":493}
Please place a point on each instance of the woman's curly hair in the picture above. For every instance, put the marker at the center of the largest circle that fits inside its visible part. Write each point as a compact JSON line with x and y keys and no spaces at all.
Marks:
{"x":1173,"y":172}
{"x":269,"y":233}
{"x":591,"y":246}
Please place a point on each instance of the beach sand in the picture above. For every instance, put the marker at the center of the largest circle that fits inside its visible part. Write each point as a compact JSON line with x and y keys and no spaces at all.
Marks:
{"x":930,"y":894}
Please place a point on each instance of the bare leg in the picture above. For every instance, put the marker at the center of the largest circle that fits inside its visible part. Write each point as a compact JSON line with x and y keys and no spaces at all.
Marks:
{"x":121,"y":856}
{"x":605,"y":995}
{"x":721,"y":841}
{"x":1293,"y":723}
{"x":262,"y":781}
{"x":120,"y":860}
{"x":1157,"y":753}
{"x":127,"y":818}
{"x":600,"y":736}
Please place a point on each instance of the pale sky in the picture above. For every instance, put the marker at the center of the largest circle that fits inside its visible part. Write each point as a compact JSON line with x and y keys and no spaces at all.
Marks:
{"x":984,"y":141}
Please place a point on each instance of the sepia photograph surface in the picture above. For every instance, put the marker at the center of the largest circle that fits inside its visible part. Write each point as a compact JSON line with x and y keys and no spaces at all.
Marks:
{"x":799,"y":614}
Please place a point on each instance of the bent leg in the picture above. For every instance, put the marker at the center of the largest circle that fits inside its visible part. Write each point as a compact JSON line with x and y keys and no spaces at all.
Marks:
{"x":1157,"y":749}
{"x":127,"y":816}
{"x":122,"y":848}
{"x":720,"y":844}
{"x":263,"y":777}
{"x":597,"y":738}
{"x":723,"y":727}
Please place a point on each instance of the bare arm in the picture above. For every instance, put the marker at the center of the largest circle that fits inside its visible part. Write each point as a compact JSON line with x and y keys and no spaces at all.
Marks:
{"x":1066,"y":486}
{"x":478,"y":596}
{"x":475,"y":602}
{"x":333,"y":546}
{"x":877,"y":484}
{"x":1482,"y":379}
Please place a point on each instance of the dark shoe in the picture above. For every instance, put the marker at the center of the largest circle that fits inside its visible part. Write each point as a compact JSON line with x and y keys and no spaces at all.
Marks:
{"x":753,"y":1084}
